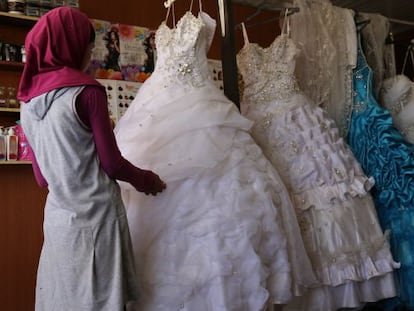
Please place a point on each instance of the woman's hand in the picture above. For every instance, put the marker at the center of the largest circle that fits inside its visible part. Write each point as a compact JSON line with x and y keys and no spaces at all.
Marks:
{"x":151,"y":183}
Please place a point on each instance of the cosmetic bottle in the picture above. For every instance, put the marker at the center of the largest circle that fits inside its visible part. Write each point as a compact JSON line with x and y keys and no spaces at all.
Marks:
{"x":12,"y":145}
{"x":3,"y":144}
{"x":3,"y":97}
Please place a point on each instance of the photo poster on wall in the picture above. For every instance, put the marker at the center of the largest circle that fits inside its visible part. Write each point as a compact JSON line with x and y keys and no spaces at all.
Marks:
{"x":122,"y":52}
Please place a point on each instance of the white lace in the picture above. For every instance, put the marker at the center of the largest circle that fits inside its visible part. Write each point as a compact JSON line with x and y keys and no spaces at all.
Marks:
{"x":268,"y":73}
{"x":326,"y":36}
{"x":182,"y":49}
{"x":380,"y":56}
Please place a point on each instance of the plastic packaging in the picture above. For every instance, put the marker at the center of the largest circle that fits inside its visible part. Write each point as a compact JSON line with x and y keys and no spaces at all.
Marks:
{"x":23,"y":153}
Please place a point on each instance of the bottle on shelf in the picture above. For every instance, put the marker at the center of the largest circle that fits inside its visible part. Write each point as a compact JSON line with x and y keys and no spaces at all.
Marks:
{"x":11,"y":95}
{"x":3,"y":144}
{"x":23,"y":54}
{"x":16,"y":6}
{"x":3,"y":97}
{"x":12,"y":145}
{"x":3,"y":6}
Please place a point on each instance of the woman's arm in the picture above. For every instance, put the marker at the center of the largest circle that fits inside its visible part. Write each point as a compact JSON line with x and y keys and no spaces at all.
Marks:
{"x":92,"y":108}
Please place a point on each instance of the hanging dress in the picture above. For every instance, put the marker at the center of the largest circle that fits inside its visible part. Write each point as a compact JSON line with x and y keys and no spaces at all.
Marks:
{"x":326,"y":37}
{"x":385,"y":155}
{"x":349,"y":252}
{"x":223,"y":235}
{"x":397,"y":95}
{"x":379,"y":54}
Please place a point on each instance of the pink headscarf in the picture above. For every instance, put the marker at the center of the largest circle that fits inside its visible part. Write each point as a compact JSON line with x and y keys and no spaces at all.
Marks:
{"x":55,"y":48}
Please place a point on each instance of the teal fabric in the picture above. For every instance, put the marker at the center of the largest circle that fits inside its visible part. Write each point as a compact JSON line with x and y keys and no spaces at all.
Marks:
{"x":386,"y":156}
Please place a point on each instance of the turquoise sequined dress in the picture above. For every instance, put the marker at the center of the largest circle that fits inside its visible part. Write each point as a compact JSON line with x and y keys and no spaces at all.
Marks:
{"x":386,"y":156}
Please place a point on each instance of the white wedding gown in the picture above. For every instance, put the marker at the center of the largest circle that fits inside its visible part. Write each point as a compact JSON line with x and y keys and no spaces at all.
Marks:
{"x":349,"y":252}
{"x":223,"y":236}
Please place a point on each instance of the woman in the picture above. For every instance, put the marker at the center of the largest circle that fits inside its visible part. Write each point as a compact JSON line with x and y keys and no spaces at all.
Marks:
{"x":86,"y":261}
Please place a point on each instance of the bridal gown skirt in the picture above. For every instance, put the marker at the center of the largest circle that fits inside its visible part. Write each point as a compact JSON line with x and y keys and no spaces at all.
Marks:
{"x":223,"y":236}
{"x":349,"y":252}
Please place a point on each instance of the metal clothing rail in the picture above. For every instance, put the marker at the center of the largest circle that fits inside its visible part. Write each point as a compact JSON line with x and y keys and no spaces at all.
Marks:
{"x":400,"y":21}
{"x":271,"y":5}
{"x":291,"y":10}
{"x":228,"y":52}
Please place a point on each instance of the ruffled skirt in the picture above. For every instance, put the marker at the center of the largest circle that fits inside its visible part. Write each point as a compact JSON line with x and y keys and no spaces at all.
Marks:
{"x":385,"y":155}
{"x":350,"y":255}
{"x":224,"y":234}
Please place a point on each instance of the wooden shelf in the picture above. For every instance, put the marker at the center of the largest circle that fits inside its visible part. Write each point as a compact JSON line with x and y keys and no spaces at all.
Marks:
{"x":14,"y":162}
{"x":15,"y":110}
{"x":17,"y":19}
{"x":12,"y":66}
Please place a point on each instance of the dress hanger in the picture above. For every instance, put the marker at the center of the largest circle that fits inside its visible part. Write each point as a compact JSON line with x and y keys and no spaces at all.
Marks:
{"x":285,"y":27}
{"x":168,"y":3}
{"x":245,"y":36}
{"x":360,"y":23}
{"x":222,"y":14}
{"x":259,"y":10}
{"x":169,"y":6}
{"x":409,"y":52}
{"x":290,"y":11}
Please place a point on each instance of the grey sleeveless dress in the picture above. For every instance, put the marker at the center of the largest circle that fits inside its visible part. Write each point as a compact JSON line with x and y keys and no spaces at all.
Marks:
{"x":86,"y":261}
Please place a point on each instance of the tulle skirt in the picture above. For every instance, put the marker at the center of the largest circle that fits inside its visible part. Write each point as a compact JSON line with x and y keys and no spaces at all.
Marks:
{"x":223,"y":235}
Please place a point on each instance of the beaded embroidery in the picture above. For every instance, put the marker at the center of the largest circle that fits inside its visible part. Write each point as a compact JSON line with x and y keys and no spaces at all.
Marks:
{"x":179,"y":60}
{"x":268,"y":72}
{"x":361,"y":92}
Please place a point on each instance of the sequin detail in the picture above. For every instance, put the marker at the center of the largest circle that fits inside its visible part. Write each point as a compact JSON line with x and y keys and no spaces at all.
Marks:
{"x":275,"y":63}
{"x":179,"y":61}
{"x":360,"y":96}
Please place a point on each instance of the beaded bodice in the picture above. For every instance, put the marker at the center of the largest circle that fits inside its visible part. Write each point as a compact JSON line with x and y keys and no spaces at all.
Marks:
{"x":182,"y":50}
{"x":268,"y":73}
{"x":362,"y":82}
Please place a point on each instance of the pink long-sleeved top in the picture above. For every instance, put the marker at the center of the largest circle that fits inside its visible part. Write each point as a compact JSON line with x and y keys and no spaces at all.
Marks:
{"x":92,"y":108}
